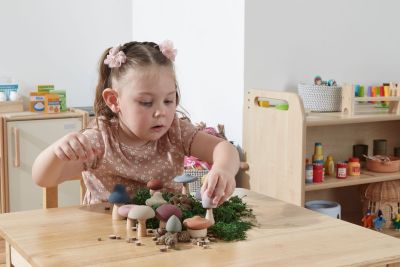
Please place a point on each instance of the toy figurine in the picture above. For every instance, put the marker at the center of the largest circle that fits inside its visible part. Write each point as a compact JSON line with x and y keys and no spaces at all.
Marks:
{"x":396,"y":222}
{"x":379,"y":221}
{"x":367,"y":219}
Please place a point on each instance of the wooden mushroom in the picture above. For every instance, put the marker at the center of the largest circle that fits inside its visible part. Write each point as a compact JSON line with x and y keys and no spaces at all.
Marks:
{"x":124,"y":211}
{"x":185,"y":179}
{"x":197,"y":226}
{"x":173,"y":225}
{"x":154,"y":185}
{"x":209,"y":206}
{"x":118,"y":197}
{"x":141,"y":213}
{"x":156,"y":199}
{"x":164,"y":212}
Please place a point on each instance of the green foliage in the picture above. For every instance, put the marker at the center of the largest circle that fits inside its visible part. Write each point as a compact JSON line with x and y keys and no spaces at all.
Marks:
{"x":167,"y":195}
{"x":235,"y":230}
{"x":141,"y":195}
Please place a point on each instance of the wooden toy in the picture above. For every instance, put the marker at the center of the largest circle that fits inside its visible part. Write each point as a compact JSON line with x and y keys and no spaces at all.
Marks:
{"x":379,"y":221}
{"x":156,"y":199}
{"x":367,"y":219}
{"x":124,"y":212}
{"x":154,"y":185}
{"x":185,"y":179}
{"x":141,"y":213}
{"x":197,"y":226}
{"x":118,"y":197}
{"x":164,"y":212}
{"x":208,"y":204}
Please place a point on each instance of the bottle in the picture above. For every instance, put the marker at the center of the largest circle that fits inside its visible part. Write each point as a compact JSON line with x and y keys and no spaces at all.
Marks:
{"x":309,"y":172}
{"x":330,"y":166}
{"x":317,"y":156}
{"x":318,"y":171}
{"x":354,"y":167}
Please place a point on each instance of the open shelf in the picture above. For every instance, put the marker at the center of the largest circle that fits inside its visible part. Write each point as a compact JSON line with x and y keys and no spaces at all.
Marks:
{"x":366,"y":177}
{"x":337,"y":118}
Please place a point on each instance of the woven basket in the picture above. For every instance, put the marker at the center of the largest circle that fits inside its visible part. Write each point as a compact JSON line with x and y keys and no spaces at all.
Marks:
{"x":321,"y":98}
{"x":388,"y":191}
{"x":196,"y":185}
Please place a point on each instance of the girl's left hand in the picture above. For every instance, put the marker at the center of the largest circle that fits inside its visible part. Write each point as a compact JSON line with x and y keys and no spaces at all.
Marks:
{"x":218,"y":185}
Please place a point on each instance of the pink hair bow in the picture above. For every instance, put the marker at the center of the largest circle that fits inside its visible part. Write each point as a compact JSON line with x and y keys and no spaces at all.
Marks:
{"x":115,"y":57}
{"x":168,"y":50}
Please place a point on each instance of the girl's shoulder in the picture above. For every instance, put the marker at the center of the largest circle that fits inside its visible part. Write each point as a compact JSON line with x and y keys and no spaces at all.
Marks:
{"x":100,"y":128}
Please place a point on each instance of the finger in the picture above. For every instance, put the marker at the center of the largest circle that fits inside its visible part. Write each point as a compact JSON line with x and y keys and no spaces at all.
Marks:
{"x":60,"y":154}
{"x":212,"y":180}
{"x":77,"y":149}
{"x":228,"y":192}
{"x":69,"y":152}
{"x":219,"y":191}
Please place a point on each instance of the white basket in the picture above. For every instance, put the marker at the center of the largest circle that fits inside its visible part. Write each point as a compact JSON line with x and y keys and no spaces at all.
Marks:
{"x":321,"y":98}
{"x":196,"y":185}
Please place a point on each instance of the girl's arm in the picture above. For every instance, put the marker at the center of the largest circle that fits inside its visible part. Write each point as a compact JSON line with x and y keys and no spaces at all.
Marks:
{"x":63,"y":160}
{"x":220,"y":182}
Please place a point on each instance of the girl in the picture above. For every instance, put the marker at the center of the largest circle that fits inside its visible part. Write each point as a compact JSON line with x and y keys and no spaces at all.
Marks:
{"x":138,"y":135}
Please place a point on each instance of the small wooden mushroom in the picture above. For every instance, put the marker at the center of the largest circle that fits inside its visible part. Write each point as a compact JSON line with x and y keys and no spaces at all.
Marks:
{"x":155,"y":185}
{"x":124,"y":211}
{"x":197,"y":226}
{"x":185,"y":179}
{"x":156,"y":199}
{"x":209,"y":205}
{"x":173,"y":225}
{"x":118,"y":197}
{"x":141,"y":213}
{"x":164,"y":212}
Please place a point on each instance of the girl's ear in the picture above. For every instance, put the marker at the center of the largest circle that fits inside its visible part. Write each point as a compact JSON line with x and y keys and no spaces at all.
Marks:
{"x":110,"y":96}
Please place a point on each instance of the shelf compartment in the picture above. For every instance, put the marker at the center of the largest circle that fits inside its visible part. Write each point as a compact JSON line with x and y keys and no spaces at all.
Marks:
{"x":366,"y":177}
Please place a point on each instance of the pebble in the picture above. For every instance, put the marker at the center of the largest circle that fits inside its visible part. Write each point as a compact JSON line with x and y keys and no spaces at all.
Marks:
{"x":99,"y":239}
{"x":107,"y":208}
{"x":138,"y":243}
{"x":163,"y":249}
{"x":112,"y":237}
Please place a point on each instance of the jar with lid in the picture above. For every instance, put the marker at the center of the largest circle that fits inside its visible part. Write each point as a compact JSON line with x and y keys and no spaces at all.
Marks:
{"x":329,"y":166}
{"x":353,"y":167}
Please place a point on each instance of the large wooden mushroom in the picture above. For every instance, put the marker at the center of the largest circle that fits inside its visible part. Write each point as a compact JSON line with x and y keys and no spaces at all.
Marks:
{"x":185,"y":179}
{"x":197,"y":226}
{"x":141,"y":213}
{"x":124,"y":211}
{"x":156,"y":200}
{"x":164,"y":212}
{"x":118,"y":197}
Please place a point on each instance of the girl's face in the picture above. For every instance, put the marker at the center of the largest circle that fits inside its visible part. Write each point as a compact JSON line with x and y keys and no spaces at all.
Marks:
{"x":147,"y":103}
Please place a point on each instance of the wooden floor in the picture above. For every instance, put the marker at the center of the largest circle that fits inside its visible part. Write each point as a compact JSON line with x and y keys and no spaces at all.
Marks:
{"x":2,"y":254}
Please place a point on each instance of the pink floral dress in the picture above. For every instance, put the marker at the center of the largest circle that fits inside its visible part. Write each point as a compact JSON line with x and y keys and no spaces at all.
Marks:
{"x":119,"y":163}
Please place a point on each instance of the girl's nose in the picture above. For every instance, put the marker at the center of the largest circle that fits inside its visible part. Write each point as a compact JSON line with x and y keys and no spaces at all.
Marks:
{"x":160,"y":111}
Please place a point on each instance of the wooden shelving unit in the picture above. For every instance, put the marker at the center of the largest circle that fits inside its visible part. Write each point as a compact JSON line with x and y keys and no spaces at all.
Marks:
{"x":276,"y":143}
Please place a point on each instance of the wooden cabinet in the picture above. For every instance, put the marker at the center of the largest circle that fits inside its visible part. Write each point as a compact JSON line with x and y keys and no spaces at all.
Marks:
{"x":23,"y":136}
{"x":276,"y":143}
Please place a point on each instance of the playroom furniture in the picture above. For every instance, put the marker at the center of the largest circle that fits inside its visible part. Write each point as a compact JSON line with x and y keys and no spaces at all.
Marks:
{"x":23,"y":136}
{"x":276,"y":144}
{"x":285,"y":235}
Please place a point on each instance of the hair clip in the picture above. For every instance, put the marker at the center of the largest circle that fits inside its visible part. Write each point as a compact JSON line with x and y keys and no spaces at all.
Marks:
{"x":168,"y":50}
{"x":115,"y":57}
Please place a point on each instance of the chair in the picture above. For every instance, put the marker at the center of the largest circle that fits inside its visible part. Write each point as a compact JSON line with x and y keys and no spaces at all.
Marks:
{"x":50,"y":194}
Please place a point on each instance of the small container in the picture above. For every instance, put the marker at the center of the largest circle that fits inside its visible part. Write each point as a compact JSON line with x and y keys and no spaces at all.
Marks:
{"x":318,"y":172}
{"x":318,"y":155}
{"x":341,"y":170}
{"x":329,"y":166}
{"x":397,"y":152}
{"x":309,"y":172}
{"x":354,"y":167}
{"x":380,"y":147}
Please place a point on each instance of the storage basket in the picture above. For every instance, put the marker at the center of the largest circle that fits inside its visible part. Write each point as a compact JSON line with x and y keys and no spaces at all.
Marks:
{"x":321,"y":98}
{"x":196,"y":185}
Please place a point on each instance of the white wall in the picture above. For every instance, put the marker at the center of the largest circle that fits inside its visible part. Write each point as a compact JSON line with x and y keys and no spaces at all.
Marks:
{"x":209,"y":36}
{"x":60,"y":42}
{"x":288,"y":41}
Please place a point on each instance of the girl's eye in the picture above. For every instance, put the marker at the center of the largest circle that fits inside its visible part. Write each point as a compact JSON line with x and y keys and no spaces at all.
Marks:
{"x":146,"y":104}
{"x":168,"y":101}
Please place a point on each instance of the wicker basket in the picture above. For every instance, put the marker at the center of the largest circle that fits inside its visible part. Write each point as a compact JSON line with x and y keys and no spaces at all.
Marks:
{"x":321,"y":98}
{"x":196,"y":185}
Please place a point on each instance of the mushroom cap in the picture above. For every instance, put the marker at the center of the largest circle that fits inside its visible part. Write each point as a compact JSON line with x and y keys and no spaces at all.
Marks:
{"x":185,"y":178}
{"x":119,"y":194}
{"x":207,"y":202}
{"x":167,"y":210}
{"x":141,"y":212}
{"x":156,"y":199}
{"x":155,"y":184}
{"x":124,"y":210}
{"x":197,"y":223}
{"x":173,"y":225}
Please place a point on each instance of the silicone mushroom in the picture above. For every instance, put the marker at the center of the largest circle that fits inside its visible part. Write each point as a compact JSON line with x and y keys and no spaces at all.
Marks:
{"x":185,"y":179}
{"x":208,"y":204}
{"x":173,"y":225}
{"x":164,"y":212}
{"x":154,"y":185}
{"x":197,"y":226}
{"x":118,"y":197}
{"x":141,"y":213}
{"x":124,"y":211}
{"x":156,"y":199}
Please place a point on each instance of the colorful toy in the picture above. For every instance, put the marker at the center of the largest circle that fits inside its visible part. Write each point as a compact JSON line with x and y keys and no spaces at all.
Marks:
{"x":396,"y":222}
{"x":379,"y":221}
{"x":367,"y":219}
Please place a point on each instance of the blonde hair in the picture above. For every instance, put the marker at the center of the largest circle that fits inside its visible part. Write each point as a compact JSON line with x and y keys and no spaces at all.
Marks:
{"x":138,"y":55}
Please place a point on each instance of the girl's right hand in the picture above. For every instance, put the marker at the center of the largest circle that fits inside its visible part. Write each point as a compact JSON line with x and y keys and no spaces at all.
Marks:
{"x":74,"y":146}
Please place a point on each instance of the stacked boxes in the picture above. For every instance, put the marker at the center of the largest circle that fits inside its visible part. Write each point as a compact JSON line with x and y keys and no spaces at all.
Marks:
{"x":48,"y":100}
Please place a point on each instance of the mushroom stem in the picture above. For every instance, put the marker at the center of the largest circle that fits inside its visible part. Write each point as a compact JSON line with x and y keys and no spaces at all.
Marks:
{"x":185,"y":189}
{"x":129,"y":224}
{"x":142,"y":231}
{"x":163,"y":224}
{"x":197,"y":233}
{"x":210,"y":216}
{"x":115,"y":215}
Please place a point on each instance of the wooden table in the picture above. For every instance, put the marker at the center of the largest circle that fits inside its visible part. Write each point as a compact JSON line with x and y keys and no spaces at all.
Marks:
{"x":286,"y":235}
